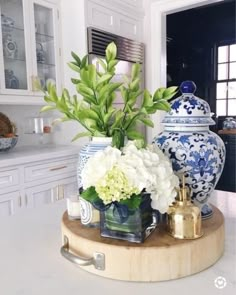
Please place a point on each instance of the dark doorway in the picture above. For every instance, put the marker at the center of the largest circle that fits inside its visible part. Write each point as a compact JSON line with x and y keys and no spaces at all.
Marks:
{"x":194,"y":37}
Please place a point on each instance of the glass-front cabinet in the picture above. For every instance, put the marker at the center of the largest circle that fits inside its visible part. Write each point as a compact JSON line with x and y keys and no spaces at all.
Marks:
{"x":45,"y":43}
{"x":15,"y":73}
{"x":29,"y":50}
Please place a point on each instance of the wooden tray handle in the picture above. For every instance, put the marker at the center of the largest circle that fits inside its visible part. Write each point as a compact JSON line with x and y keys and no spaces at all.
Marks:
{"x":98,"y":259}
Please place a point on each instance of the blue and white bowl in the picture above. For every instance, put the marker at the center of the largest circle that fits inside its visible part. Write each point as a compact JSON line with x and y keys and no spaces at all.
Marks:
{"x":7,"y":143}
{"x":229,"y":123}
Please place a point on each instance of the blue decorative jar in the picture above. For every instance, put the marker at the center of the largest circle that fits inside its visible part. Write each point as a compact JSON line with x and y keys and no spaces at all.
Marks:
{"x":89,"y":215}
{"x":229,"y":123}
{"x":194,"y":150}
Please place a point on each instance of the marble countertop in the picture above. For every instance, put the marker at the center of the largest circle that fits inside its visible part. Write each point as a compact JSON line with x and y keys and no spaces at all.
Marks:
{"x":27,"y":154}
{"x":31,"y":264}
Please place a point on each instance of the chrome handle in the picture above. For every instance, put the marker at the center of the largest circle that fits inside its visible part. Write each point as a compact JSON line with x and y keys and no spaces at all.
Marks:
{"x":98,"y":259}
{"x":26,"y":200}
{"x":19,"y":201}
{"x":58,"y":168}
{"x":60,"y":192}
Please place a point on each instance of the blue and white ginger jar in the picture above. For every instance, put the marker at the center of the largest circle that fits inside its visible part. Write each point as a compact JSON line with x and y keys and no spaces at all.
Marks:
{"x":229,"y":123}
{"x":194,"y":150}
{"x":89,"y":215}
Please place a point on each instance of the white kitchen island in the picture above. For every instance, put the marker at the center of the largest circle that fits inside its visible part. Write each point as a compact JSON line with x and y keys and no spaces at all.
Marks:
{"x":31,"y":263}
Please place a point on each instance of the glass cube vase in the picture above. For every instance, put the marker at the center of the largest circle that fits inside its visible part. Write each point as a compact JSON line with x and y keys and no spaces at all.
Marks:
{"x":136,"y":225}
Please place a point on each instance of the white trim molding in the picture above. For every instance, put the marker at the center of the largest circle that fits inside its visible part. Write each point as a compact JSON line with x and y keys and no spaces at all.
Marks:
{"x":125,"y":7}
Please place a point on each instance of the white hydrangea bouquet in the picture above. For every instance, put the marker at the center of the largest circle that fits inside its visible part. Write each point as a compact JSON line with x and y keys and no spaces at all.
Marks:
{"x":114,"y":176}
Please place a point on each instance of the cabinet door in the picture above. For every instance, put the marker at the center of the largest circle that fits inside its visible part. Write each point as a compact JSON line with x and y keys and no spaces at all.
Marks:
{"x":130,"y":27}
{"x":15,"y":55}
{"x":38,"y":195}
{"x":44,"y":24}
{"x":10,"y":203}
{"x":70,"y":187}
{"x":50,"y":192}
{"x":101,"y":17}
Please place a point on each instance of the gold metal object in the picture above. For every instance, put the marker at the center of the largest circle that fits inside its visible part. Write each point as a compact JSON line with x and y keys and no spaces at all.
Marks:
{"x":184,"y":218}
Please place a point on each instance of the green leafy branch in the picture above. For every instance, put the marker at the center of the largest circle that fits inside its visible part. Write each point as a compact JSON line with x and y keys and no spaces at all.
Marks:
{"x":96,"y":111}
{"x":126,"y":124}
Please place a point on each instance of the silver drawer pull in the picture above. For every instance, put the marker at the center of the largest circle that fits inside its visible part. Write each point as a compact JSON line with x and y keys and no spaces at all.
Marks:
{"x":98,"y":259}
{"x":58,"y":168}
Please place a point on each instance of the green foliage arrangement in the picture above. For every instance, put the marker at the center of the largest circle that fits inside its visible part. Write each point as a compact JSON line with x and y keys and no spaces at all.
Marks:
{"x":96,"y":111}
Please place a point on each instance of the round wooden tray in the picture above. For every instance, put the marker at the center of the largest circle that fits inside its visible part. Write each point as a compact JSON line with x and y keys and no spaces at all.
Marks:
{"x":161,"y":257}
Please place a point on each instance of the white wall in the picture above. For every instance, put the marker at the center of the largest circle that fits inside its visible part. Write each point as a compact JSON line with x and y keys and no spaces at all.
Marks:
{"x":19,"y":115}
{"x":73,"y":33}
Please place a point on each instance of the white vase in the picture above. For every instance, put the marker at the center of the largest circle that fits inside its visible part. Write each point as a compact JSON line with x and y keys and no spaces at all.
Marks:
{"x":89,"y":215}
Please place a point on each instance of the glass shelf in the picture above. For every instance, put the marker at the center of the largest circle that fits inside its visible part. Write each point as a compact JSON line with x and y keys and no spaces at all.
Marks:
{"x":10,"y":60}
{"x":43,"y":37}
{"x":45,"y":65}
{"x":37,"y":133}
{"x":28,"y":51}
{"x":8,"y":30}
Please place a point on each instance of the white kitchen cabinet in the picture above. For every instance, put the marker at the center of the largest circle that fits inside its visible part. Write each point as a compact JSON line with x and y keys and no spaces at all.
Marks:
{"x":50,"y":192}
{"x":31,"y":177}
{"x":35,"y":172}
{"x":9,"y":178}
{"x":129,"y":27}
{"x":123,"y":18}
{"x":29,"y":49}
{"x":10,"y":203}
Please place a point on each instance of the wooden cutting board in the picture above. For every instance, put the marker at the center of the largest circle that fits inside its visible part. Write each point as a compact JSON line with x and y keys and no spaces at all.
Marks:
{"x":159,"y":258}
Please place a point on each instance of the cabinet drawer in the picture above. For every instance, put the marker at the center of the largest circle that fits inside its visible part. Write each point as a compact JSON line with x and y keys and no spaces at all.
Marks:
{"x":9,"y":178}
{"x":50,"y":169}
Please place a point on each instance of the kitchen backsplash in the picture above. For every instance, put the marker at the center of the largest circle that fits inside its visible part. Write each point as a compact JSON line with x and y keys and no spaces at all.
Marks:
{"x":19,"y":115}
{"x":22,"y":116}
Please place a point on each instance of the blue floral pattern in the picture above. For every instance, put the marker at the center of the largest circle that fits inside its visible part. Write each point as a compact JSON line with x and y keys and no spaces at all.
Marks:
{"x":195,"y":152}
{"x":85,"y":153}
{"x":199,"y":156}
{"x":189,"y":103}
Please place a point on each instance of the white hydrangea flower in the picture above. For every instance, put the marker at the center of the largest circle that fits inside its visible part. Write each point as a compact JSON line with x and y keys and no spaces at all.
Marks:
{"x":147,"y":169}
{"x":153,"y":172}
{"x":98,"y":165}
{"x":115,"y":187}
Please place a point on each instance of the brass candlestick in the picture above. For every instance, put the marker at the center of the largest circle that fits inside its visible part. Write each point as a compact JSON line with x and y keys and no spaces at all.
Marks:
{"x":184,"y":218}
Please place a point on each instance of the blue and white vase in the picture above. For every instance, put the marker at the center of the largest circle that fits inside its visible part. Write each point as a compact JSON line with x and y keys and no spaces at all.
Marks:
{"x":89,"y":215}
{"x":229,"y":123}
{"x":194,"y":150}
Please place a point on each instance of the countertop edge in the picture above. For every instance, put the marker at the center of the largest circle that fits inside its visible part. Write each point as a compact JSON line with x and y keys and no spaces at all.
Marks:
{"x":28,"y":154}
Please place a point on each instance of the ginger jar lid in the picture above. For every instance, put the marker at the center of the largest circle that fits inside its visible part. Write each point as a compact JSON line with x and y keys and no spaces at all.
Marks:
{"x":188,"y":109}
